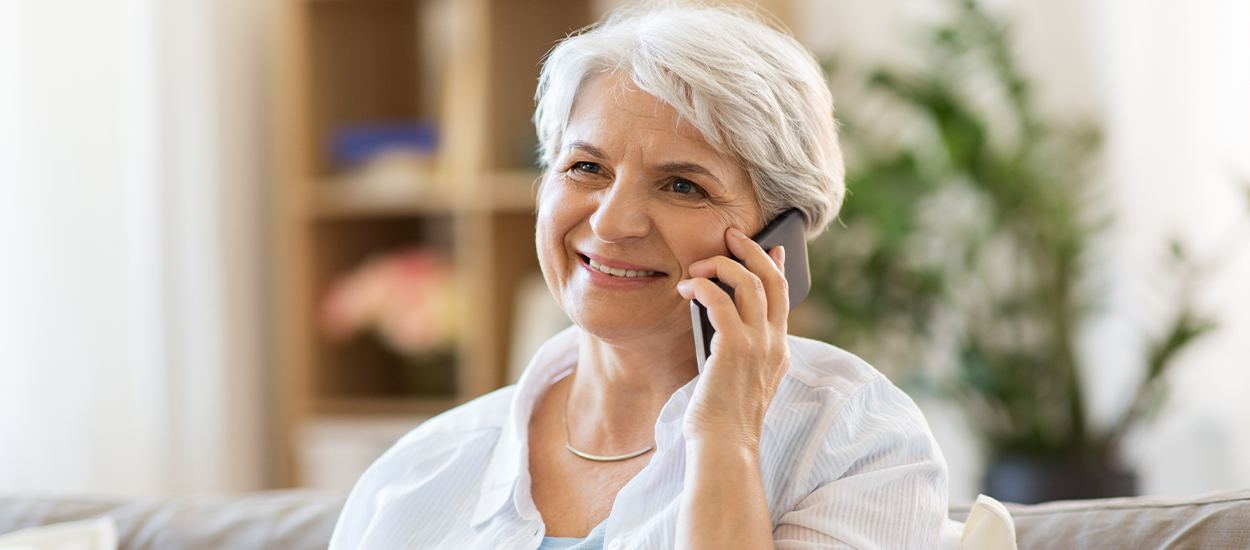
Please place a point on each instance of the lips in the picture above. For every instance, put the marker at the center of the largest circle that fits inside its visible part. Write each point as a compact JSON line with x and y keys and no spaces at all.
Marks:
{"x":619,"y":268}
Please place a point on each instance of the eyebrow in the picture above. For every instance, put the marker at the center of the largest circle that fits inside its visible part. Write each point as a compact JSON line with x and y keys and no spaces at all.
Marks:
{"x":689,"y":168}
{"x":681,"y":167}
{"x":591,"y":149}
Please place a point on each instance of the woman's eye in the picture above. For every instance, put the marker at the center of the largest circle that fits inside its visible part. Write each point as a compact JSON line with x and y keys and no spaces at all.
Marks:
{"x":686,"y":187}
{"x":584,"y":166}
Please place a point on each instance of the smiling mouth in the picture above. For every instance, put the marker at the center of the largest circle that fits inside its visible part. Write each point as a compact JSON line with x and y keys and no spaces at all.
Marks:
{"x":615,"y":272}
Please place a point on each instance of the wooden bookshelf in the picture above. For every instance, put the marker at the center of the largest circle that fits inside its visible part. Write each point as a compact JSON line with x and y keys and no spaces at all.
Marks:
{"x":470,"y":67}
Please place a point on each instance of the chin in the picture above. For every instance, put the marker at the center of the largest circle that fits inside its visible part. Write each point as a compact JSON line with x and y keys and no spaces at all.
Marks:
{"x":609,"y":324}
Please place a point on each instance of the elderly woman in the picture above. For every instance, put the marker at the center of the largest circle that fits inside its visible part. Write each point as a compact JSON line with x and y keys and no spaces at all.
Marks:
{"x":668,"y":136}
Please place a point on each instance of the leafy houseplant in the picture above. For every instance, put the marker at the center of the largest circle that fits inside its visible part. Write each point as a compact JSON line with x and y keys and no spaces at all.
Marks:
{"x":969,"y":222}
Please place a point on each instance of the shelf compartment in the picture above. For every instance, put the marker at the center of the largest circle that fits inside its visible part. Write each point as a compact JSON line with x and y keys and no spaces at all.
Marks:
{"x":362,"y":366}
{"x":366,"y":65}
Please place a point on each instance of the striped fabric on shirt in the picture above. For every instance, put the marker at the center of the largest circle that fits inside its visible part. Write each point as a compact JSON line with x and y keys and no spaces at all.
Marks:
{"x":847,"y":461}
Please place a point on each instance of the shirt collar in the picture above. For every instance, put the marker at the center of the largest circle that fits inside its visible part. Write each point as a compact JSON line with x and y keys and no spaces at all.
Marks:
{"x":509,"y":460}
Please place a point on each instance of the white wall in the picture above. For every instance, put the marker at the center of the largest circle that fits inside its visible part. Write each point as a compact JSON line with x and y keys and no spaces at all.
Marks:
{"x":130,"y":307}
{"x":64,"y":269}
{"x":1171,"y":82}
{"x":1175,"y":81}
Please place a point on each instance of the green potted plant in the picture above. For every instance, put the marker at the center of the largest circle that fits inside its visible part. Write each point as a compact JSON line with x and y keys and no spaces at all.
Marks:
{"x":969,"y":221}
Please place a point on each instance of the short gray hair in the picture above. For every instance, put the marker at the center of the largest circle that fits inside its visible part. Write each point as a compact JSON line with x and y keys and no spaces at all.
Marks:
{"x":753,"y":92}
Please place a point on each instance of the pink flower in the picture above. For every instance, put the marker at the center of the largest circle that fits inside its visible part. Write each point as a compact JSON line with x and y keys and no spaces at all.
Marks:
{"x":409,"y":298}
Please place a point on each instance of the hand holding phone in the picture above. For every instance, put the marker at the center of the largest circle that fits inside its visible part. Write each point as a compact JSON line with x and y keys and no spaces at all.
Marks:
{"x":786,"y":230}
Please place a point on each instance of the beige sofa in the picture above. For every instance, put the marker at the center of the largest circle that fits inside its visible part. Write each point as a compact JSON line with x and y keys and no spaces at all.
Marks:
{"x":298,"y":519}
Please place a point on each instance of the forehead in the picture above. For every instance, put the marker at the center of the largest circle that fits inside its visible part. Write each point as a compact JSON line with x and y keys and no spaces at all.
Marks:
{"x":613,"y":113}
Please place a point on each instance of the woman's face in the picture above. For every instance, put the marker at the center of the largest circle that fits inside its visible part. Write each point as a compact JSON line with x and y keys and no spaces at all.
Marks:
{"x":639,"y":191}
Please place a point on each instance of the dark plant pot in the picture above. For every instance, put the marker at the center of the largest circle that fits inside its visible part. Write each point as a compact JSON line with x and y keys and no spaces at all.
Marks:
{"x":1030,"y":480}
{"x":431,"y":374}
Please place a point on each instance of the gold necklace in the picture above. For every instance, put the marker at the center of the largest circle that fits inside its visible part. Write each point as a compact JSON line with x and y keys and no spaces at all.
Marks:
{"x":568,"y":444}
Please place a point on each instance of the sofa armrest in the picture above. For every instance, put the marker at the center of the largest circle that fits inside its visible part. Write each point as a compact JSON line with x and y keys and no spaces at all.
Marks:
{"x":1216,"y":520}
{"x":272,"y":519}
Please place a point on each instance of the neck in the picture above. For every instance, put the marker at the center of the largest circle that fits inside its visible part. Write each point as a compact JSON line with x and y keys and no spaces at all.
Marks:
{"x":619,"y":387}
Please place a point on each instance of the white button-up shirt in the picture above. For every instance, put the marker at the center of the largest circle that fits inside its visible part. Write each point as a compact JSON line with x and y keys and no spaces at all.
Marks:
{"x":846,"y":458}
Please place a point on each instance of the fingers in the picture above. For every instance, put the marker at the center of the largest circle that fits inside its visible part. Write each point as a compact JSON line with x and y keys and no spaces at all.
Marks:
{"x":761,"y":293}
{"x":720,"y":309}
{"x":769,"y":271}
{"x":748,"y":289}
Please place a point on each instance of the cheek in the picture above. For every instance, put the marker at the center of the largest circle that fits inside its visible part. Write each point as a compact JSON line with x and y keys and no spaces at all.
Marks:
{"x":556,"y":218}
{"x":552,"y":205}
{"x":545,"y":228}
{"x":694,"y":242}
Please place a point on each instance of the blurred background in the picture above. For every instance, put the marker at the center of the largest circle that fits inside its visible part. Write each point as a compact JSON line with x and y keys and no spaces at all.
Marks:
{"x":247,"y":245}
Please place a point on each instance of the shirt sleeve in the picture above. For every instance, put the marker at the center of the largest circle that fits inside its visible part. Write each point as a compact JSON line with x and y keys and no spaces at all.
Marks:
{"x":359,"y":510}
{"x":877,"y":479}
{"x":361,"y":507}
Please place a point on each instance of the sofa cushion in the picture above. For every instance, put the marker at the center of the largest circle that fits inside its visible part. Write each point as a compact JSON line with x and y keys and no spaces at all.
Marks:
{"x":273,"y":519}
{"x":305,"y":519}
{"x":1218,"y":520}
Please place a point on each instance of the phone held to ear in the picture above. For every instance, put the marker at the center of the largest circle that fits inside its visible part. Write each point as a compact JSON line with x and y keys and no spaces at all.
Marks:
{"x":786,"y":230}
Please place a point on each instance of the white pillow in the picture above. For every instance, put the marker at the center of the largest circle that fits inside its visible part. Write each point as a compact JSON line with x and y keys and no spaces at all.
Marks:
{"x":989,"y":527}
{"x":91,"y":534}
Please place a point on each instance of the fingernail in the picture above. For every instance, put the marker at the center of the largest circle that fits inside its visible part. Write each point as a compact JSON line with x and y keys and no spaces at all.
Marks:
{"x":737,"y":233}
{"x":781,"y":254}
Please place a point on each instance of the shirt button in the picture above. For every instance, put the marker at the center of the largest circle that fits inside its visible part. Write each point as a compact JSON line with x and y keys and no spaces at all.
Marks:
{"x":615,"y":544}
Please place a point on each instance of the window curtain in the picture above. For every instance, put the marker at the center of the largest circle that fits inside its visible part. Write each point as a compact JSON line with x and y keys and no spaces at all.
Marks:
{"x":132,"y":354}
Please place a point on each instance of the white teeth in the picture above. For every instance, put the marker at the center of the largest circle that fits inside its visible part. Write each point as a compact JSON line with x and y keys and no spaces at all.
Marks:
{"x":620,"y":272}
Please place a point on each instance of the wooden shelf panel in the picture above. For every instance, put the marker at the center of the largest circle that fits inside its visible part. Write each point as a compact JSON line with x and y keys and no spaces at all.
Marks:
{"x":506,"y":192}
{"x":379,"y":406}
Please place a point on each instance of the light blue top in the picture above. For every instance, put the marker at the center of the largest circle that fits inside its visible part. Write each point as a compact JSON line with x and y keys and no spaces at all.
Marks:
{"x":593,"y":541}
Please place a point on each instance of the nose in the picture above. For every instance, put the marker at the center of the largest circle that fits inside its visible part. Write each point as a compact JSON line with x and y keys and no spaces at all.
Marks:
{"x":621,"y":213}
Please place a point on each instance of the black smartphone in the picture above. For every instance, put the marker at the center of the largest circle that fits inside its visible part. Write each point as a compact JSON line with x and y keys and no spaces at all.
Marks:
{"x":787,"y":230}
